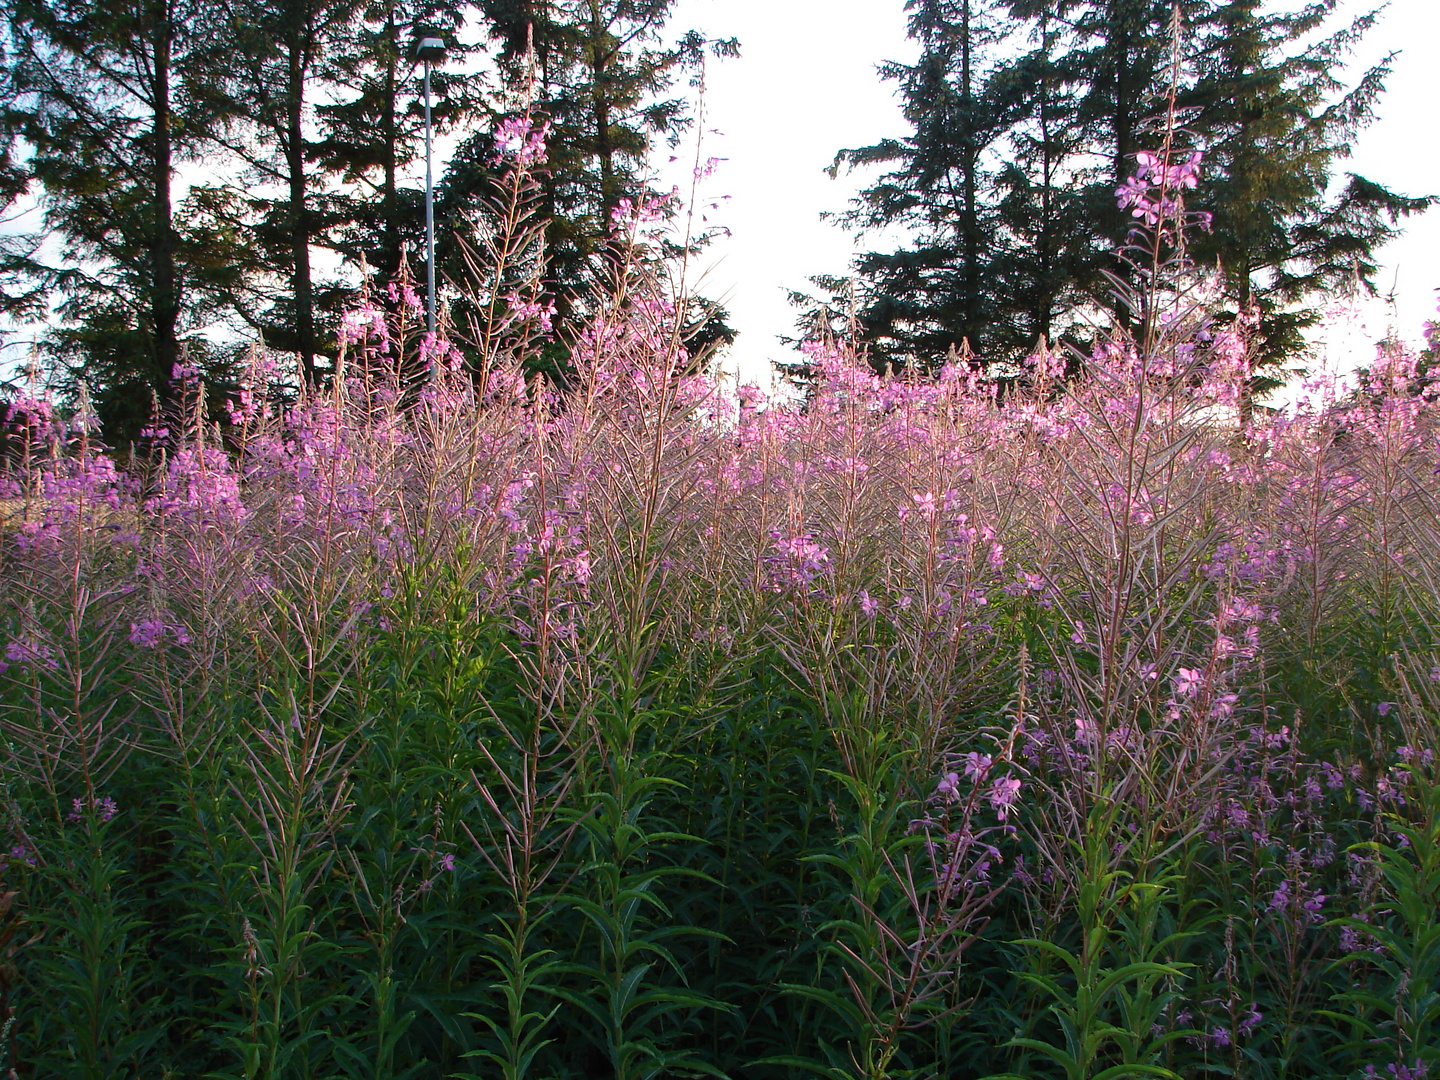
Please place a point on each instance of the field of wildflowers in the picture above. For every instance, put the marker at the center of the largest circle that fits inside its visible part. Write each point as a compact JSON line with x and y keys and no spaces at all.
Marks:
{"x":443,"y":723}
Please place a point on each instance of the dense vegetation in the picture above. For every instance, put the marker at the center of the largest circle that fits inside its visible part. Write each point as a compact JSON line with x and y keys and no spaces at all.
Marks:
{"x":440,"y":722}
{"x":1024,"y":117}
{"x":197,"y":176}
{"x":211,"y":174}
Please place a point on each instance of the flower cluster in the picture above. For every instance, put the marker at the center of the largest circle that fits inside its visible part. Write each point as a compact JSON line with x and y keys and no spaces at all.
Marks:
{"x":519,"y":140}
{"x":103,"y":808}
{"x":1154,"y":194}
{"x":152,"y":631}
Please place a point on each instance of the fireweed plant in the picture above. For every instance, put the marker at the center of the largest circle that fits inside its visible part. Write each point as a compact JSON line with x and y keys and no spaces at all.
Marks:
{"x":451,"y":721}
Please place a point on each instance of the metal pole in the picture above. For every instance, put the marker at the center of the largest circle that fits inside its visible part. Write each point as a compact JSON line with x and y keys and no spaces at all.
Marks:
{"x":429,"y":213}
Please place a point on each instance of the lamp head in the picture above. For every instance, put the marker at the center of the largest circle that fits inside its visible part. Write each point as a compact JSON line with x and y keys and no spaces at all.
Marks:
{"x":429,"y":49}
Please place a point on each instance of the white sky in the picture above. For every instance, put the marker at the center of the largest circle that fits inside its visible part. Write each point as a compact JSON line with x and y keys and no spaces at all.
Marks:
{"x":805,"y":86}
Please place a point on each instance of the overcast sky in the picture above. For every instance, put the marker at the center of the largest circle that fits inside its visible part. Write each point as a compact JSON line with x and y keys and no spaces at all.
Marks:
{"x":805,"y":86}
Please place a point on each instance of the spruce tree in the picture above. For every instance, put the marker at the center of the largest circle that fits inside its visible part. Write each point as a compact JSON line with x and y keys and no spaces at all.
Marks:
{"x":1275,"y":121}
{"x":284,"y":52}
{"x":1065,"y":102}
{"x":373,"y":129}
{"x":933,"y":295}
{"x":109,"y":100}
{"x":604,"y":74}
{"x":1047,"y":261}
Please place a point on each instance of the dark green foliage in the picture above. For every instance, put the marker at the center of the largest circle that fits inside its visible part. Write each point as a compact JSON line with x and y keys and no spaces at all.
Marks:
{"x":1275,"y":120}
{"x":286,"y":55}
{"x":109,"y":103}
{"x":1026,"y":116}
{"x":400,"y":846}
{"x":930,"y":297}
{"x":609,"y":82}
{"x":377,"y":128}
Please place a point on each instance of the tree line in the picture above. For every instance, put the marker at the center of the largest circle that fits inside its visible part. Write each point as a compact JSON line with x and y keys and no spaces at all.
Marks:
{"x":229,"y":163}
{"x":204,"y":164}
{"x":1025,"y":119}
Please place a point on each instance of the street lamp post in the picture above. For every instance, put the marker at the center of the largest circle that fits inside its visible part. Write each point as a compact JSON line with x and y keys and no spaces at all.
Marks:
{"x":429,"y":50}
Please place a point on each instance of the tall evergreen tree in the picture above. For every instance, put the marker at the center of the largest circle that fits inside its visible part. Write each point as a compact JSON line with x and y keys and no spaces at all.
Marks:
{"x":374,"y":129}
{"x":110,"y":100}
{"x":22,"y":295}
{"x":1063,"y":117}
{"x":1275,"y":121}
{"x":917,"y":303}
{"x":1046,"y":259}
{"x":284,"y":50}
{"x":604,"y":74}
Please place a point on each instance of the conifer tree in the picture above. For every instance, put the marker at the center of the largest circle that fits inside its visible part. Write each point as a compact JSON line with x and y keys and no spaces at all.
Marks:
{"x":373,"y":129}
{"x":110,"y":100}
{"x":284,"y":50}
{"x":1275,"y":120}
{"x":933,"y":295}
{"x":604,"y":75}
{"x":1047,"y":261}
{"x":1058,"y":123}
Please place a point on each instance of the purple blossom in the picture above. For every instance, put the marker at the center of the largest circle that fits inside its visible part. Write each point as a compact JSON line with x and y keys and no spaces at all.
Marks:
{"x":1280,"y":898}
{"x":949,"y":787}
{"x":104,"y":808}
{"x":153,"y":631}
{"x":516,"y":139}
{"x":1250,"y":1021}
{"x":1003,"y":794}
{"x":1411,"y":756}
{"x":29,"y":651}
{"x":1187,"y":681}
{"x":976,"y":766}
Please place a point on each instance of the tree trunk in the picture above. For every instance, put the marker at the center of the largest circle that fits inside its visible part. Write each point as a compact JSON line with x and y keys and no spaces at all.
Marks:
{"x":1122,"y":128}
{"x":389,"y":197}
{"x":165,"y":286}
{"x":1045,"y":301}
{"x":970,"y":239}
{"x":299,"y":214}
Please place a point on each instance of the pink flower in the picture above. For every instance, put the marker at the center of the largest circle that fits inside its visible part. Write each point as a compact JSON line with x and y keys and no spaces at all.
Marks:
{"x":977,"y":765}
{"x":1003,"y":795}
{"x":152,"y":632}
{"x":515,"y":138}
{"x":1251,"y":1021}
{"x":1188,"y":681}
{"x":106,"y":808}
{"x":949,"y":786}
{"x":30,"y":651}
